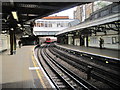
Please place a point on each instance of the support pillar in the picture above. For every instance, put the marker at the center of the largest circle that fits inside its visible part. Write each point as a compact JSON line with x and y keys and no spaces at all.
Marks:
{"x":58,"y":39}
{"x":86,"y":41}
{"x":14,"y":42}
{"x":67,"y":39}
{"x":73,"y":39}
{"x":80,"y":40}
{"x":62,"y":39}
{"x":11,"y":42}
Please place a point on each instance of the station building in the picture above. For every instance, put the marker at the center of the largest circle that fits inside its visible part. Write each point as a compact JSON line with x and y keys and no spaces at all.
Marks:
{"x":24,"y":68}
{"x":84,"y":11}
{"x":49,"y":26}
{"x":102,"y":23}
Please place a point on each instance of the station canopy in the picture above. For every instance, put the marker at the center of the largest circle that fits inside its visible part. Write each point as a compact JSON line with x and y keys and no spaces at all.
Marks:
{"x":22,"y":12}
{"x":16,"y":14}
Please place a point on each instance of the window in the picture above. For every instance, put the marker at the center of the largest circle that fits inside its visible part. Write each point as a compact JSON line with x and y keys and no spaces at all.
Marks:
{"x":41,"y":24}
{"x":45,"y":24}
{"x":58,"y":25}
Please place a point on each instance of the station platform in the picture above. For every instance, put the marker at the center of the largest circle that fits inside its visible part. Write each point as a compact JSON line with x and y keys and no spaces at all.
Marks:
{"x":21,"y":70}
{"x":113,"y":54}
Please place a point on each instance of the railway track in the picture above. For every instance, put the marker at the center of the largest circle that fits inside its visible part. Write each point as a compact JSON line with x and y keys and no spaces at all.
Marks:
{"x":98,"y":72}
{"x":61,"y":77}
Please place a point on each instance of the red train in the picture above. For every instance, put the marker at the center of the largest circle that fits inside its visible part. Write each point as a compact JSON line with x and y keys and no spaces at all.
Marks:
{"x":50,"y":40}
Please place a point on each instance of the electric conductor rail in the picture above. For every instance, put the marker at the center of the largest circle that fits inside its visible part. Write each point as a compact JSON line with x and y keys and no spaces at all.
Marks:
{"x":61,"y":77}
{"x":96,"y":72}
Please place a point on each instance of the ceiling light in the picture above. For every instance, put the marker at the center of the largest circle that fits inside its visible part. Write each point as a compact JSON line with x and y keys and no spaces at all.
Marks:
{"x":32,"y":15}
{"x":14,"y":13}
{"x":19,"y":25}
{"x":26,"y":25}
{"x":4,"y":31}
{"x":12,"y":29}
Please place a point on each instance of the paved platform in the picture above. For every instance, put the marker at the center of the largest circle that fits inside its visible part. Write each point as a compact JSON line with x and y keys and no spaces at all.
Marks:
{"x":21,"y":70}
{"x":95,"y":51}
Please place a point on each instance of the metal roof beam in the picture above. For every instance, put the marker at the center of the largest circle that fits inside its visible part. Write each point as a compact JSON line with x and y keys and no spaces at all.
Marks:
{"x":37,"y":6}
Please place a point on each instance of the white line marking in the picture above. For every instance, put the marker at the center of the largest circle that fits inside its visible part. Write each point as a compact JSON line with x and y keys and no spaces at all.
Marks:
{"x":33,"y":68}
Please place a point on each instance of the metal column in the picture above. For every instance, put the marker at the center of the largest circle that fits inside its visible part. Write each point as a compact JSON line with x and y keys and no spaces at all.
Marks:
{"x":86,"y":41}
{"x":12,"y":42}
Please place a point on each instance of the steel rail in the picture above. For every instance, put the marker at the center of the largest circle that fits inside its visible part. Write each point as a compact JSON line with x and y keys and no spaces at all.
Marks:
{"x":57,"y":75}
{"x":64,"y":74}
{"x":94,"y":74}
{"x":80,"y":84}
{"x":40,"y":58}
{"x":79,"y":80}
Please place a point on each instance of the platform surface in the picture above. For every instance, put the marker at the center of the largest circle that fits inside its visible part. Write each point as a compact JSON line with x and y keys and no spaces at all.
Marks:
{"x":17,"y":71}
{"x":97,"y":51}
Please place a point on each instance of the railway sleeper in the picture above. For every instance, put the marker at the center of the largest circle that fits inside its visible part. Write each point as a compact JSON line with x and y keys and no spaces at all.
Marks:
{"x":62,"y":87}
{"x":60,"y":84}
{"x":72,"y":62}
{"x":99,"y":58}
{"x":104,"y":79}
{"x":66,"y":78}
{"x":54,"y":77}
{"x":57,"y":80}
{"x":97,"y":78}
{"x":45,"y":57}
{"x":81,"y":62}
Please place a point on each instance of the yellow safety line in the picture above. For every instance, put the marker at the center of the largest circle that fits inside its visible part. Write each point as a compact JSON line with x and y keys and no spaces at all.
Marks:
{"x":40,"y":77}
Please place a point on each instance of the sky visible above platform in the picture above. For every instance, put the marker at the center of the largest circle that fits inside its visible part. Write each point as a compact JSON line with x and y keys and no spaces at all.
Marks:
{"x":70,"y":12}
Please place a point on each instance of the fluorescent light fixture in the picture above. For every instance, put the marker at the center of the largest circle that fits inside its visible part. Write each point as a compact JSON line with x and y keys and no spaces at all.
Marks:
{"x":32,"y":15}
{"x":14,"y":13}
{"x":26,"y":25}
{"x":19,"y":25}
{"x":12,"y":29}
{"x":4,"y":31}
{"x":25,"y":36}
